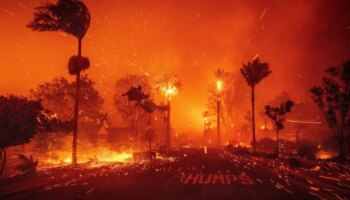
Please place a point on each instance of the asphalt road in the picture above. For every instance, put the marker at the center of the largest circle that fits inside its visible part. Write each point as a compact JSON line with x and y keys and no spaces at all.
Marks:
{"x":185,"y":174}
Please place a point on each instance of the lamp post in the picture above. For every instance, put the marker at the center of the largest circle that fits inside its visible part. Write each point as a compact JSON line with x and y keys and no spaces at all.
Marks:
{"x":218,"y":106}
{"x":205,"y":115}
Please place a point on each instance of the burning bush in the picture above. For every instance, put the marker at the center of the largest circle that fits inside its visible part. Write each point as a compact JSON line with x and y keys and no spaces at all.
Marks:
{"x":294,"y":162}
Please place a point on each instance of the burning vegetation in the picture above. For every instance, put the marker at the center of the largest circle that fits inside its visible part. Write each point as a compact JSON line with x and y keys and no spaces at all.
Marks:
{"x":68,"y":132}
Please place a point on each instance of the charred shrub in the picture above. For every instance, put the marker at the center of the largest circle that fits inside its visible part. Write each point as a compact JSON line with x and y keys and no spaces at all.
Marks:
{"x":240,"y":150}
{"x":294,"y":162}
{"x":27,"y":165}
{"x":307,"y":151}
{"x":266,"y":145}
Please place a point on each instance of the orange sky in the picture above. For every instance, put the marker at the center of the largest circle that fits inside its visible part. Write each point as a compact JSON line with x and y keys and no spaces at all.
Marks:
{"x":188,"y":37}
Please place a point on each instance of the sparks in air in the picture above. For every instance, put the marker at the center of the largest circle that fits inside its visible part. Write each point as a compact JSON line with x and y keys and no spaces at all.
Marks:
{"x":190,"y":99}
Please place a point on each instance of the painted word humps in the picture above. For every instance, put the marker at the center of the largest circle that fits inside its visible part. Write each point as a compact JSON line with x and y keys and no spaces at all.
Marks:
{"x":223,"y":179}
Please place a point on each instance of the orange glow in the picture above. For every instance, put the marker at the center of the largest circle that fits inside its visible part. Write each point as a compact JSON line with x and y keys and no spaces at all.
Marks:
{"x":219,"y":85}
{"x":324,"y":155}
{"x":68,"y":160}
{"x":242,"y":144}
{"x":91,"y":155}
{"x":169,"y":91}
{"x":190,"y":38}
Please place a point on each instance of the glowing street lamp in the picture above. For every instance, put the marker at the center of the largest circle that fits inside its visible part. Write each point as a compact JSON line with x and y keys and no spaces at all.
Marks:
{"x":219,"y":86}
{"x":218,"y":105}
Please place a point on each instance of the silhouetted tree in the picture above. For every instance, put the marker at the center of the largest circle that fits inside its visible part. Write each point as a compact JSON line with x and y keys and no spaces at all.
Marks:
{"x":276,"y":114}
{"x":20,"y":119}
{"x":254,"y":72}
{"x":73,"y":18}
{"x":282,"y":97}
{"x":333,"y":100}
{"x":58,"y":94}
{"x":128,"y":109}
{"x":141,"y":102}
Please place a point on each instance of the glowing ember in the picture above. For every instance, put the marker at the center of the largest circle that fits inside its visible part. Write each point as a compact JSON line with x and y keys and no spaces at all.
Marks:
{"x":61,"y":158}
{"x":241,"y":144}
{"x":324,"y":155}
{"x":115,"y":157}
{"x":68,"y":160}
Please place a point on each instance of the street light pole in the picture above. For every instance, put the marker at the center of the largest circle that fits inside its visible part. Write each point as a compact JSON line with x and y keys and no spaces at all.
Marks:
{"x":218,"y":102}
{"x":218,"y":105}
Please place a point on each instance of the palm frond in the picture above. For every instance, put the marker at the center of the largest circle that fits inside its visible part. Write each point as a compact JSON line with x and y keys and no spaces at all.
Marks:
{"x":69,"y":16}
{"x":254,"y":72}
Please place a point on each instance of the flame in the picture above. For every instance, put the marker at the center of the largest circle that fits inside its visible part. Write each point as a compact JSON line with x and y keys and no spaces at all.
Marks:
{"x":68,"y":160}
{"x":219,"y":85}
{"x":241,"y":144}
{"x":324,"y":155}
{"x":169,"y":91}
{"x":114,"y":156}
{"x":101,"y":155}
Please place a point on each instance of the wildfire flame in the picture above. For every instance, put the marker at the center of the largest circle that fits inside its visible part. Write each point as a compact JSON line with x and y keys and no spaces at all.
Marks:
{"x":169,"y":91}
{"x":324,"y":155}
{"x":62,"y":158}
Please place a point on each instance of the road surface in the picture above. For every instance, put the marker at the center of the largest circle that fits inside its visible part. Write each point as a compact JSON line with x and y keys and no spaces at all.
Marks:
{"x":185,"y":173}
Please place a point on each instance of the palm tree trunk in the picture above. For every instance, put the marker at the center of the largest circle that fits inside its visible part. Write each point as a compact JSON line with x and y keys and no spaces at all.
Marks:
{"x":342,"y":134}
{"x":277,"y":145}
{"x":3,"y":160}
{"x":168,"y":139}
{"x":253,"y":120}
{"x":76,"y":111}
{"x":342,"y":155}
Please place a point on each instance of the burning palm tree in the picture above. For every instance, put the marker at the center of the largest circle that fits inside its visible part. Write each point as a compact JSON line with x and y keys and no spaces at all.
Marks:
{"x":71,"y":17}
{"x":253,"y":73}
{"x":169,"y":85}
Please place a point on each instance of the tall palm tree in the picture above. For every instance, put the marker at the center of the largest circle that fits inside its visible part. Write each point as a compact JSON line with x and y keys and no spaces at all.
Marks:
{"x":254,"y":72}
{"x":71,"y":17}
{"x":169,"y":85}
